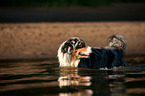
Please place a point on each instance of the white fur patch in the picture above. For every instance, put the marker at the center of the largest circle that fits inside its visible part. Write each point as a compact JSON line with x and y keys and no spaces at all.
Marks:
{"x":65,"y":58}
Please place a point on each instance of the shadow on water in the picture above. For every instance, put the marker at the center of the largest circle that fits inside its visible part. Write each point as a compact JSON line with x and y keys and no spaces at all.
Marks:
{"x":44,"y":77}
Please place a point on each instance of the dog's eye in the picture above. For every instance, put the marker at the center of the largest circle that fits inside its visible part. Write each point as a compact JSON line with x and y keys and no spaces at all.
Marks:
{"x":80,"y":45}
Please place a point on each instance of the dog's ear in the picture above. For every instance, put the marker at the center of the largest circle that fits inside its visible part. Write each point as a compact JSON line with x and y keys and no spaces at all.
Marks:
{"x":67,"y":48}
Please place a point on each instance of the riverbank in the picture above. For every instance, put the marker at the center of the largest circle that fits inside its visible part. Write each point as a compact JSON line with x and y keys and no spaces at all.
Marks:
{"x":42,"y":40}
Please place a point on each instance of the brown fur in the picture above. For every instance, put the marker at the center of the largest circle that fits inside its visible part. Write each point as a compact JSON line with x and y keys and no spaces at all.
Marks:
{"x":75,"y":53}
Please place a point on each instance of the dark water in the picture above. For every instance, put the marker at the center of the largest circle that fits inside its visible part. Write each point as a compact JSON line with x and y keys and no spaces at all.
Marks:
{"x":45,"y":78}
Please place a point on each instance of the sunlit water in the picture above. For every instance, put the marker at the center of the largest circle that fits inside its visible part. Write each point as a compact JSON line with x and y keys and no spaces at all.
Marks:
{"x":45,"y":78}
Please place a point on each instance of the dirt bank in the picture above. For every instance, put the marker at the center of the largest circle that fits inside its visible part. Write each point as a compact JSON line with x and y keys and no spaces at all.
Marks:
{"x":41,"y":40}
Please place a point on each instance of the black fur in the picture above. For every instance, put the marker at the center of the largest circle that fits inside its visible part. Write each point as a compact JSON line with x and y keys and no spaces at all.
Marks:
{"x":101,"y":58}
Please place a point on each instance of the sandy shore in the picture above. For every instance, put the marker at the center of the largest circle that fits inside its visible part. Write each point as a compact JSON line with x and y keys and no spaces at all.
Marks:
{"x":41,"y":40}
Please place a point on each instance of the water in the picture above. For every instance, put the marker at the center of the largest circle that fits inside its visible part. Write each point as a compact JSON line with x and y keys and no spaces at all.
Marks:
{"x":45,"y":78}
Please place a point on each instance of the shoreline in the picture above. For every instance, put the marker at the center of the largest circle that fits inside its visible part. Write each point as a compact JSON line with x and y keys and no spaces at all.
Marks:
{"x":42,"y":40}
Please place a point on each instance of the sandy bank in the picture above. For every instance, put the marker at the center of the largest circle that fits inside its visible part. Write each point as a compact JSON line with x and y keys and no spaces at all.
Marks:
{"x":41,"y":40}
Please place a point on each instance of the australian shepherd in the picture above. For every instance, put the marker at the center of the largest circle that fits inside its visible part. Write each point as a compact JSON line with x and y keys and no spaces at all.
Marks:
{"x":75,"y":53}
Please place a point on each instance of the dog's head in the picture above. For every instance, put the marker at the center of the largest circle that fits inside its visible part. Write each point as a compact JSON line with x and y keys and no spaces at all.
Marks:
{"x":71,"y":44}
{"x":70,"y":52}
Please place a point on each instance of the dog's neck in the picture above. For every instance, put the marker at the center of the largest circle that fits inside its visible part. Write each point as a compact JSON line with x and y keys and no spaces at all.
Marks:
{"x":67,"y":60}
{"x":75,"y":62}
{"x":74,"y":59}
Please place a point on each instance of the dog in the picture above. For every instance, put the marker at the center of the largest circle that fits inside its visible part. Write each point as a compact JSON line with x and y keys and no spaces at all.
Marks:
{"x":75,"y":53}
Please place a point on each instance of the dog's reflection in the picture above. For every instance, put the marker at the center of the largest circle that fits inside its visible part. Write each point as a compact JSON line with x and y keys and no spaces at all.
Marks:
{"x":71,"y":83}
{"x":71,"y":80}
{"x":76,"y":82}
{"x":86,"y":92}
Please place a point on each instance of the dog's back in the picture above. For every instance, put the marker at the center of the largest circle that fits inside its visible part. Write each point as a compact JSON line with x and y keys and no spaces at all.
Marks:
{"x":111,"y":56}
{"x":103,"y":58}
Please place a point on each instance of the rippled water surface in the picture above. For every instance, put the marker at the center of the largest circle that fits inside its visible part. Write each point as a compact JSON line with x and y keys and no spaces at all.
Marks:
{"x":45,"y":78}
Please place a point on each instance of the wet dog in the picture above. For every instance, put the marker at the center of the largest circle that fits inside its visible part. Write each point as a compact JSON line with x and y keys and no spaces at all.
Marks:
{"x":75,"y":53}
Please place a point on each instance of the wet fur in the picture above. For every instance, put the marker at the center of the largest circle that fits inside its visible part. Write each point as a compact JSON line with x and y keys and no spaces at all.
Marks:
{"x":93,"y":58}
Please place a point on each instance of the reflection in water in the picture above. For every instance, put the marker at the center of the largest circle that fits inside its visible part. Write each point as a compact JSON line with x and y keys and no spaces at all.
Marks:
{"x":70,"y":80}
{"x":43,"y":78}
{"x":25,"y":75}
{"x":77,"y":82}
{"x":70,"y":77}
{"x":85,"y":92}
